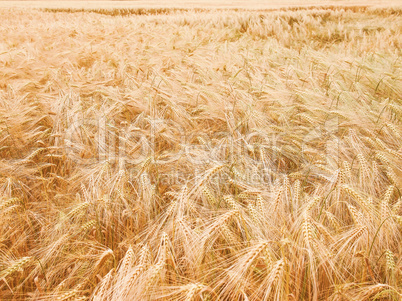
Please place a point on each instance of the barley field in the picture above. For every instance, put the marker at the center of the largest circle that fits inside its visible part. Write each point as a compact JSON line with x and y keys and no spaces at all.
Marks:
{"x":201,"y":153}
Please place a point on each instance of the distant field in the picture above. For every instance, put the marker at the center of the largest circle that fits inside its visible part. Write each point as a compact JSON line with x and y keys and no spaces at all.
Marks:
{"x":250,"y":4}
{"x":170,"y":151}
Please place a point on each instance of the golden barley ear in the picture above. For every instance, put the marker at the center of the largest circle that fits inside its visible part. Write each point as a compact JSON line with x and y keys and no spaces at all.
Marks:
{"x":192,"y":291}
{"x":126,"y":262}
{"x":209,"y":196}
{"x":103,"y":258}
{"x":385,"y":202}
{"x":229,"y":199}
{"x":102,"y":291}
{"x":16,"y":266}
{"x":307,"y":230}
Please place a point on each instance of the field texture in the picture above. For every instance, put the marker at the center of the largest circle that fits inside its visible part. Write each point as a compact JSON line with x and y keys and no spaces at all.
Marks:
{"x":178,"y":154}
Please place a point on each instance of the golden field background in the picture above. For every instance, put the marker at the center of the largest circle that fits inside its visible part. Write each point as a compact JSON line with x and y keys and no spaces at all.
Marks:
{"x":200,"y":154}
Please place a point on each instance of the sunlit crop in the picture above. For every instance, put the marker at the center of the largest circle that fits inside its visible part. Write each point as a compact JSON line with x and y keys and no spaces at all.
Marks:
{"x":201,"y":154}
